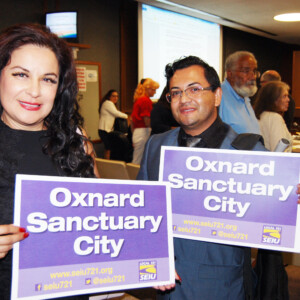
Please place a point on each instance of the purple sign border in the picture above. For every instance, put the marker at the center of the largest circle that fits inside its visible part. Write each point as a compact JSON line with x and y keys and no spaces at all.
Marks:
{"x":93,"y":283}
{"x":203,"y":227}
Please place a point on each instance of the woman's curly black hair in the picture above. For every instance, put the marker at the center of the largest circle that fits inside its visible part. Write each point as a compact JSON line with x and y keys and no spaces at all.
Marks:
{"x":65,"y":143}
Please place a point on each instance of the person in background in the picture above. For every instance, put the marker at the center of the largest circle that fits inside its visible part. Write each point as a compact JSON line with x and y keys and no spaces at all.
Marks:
{"x":140,"y":117}
{"x":239,"y":85}
{"x":40,"y":126}
{"x":271,"y":102}
{"x":108,"y":113}
{"x":161,"y":115}
{"x":270,"y":75}
{"x":288,"y":116}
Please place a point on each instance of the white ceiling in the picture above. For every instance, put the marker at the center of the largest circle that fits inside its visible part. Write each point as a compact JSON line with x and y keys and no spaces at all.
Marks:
{"x":255,"y":16}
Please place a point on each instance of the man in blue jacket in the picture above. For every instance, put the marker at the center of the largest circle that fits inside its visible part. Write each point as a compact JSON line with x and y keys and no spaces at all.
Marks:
{"x":208,"y":270}
{"x":240,"y":84}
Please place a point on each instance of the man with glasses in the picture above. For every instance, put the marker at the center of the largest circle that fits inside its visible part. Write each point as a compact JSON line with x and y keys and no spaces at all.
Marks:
{"x":240,"y":84}
{"x":208,"y":270}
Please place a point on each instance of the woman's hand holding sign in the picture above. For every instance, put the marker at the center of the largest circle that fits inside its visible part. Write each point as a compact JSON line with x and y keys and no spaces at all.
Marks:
{"x":10,"y":234}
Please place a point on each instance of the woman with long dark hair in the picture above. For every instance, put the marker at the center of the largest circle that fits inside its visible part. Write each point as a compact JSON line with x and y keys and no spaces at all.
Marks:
{"x":40,"y":126}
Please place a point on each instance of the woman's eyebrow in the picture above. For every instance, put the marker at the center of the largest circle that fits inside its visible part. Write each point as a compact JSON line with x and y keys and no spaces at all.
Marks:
{"x":25,"y":70}
{"x":51,"y":74}
{"x":19,"y":67}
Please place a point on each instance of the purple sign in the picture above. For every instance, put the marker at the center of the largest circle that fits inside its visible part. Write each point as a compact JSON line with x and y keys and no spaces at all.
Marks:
{"x":233,"y":197}
{"x":90,"y":235}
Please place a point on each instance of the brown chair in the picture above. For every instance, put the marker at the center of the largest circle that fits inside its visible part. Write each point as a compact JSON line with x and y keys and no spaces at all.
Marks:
{"x":133,"y":170}
{"x":112,"y":169}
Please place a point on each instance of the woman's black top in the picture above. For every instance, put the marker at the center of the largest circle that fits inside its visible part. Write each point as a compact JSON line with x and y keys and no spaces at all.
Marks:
{"x":20,"y":153}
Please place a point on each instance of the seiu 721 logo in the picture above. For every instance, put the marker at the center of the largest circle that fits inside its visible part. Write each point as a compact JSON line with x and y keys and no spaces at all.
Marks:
{"x":271,"y":235}
{"x":147,"y":270}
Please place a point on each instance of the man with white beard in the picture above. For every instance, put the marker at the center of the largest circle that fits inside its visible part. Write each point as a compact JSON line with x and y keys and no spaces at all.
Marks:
{"x":240,"y":84}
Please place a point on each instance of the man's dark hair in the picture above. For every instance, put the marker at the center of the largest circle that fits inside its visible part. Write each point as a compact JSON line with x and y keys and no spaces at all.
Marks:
{"x":185,"y":62}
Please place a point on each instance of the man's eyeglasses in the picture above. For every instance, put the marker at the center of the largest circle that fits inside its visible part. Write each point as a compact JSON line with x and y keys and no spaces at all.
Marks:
{"x":193,"y":92}
{"x":248,"y":71}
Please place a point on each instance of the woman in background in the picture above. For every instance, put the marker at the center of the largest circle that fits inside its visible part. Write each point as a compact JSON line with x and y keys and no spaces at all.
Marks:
{"x":161,"y":115}
{"x":40,"y":126}
{"x":108,"y":113}
{"x":271,"y":102}
{"x":140,"y":116}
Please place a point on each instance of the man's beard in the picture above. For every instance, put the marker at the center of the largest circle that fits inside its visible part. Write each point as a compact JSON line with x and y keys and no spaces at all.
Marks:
{"x":246,"y":90}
